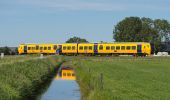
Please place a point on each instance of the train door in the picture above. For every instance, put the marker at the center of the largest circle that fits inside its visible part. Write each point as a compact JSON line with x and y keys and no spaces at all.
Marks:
{"x":95,"y":48}
{"x":25,"y":49}
{"x":139,"y":48}
{"x":59,"y":49}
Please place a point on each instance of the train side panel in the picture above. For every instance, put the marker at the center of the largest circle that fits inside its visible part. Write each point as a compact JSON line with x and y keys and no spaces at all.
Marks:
{"x":37,"y":48}
{"x":86,"y":48}
{"x":124,"y":48}
{"x":69,"y":48}
{"x":127,"y":48}
{"x":117,"y":48}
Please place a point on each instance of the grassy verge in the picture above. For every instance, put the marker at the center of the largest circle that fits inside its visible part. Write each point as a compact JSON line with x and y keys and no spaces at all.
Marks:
{"x":124,"y":78}
{"x":21,"y":80}
{"x":17,"y":58}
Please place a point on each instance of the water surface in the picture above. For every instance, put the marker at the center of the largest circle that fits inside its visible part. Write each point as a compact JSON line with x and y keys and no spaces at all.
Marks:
{"x":62,"y":89}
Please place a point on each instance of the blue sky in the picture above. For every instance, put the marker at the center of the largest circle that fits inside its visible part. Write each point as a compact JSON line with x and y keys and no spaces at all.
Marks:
{"x":54,"y":21}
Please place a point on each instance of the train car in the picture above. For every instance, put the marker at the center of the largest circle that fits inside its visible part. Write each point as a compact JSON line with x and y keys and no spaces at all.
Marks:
{"x":86,"y":48}
{"x":120,"y":48}
{"x":69,"y":49}
{"x":37,"y":48}
{"x":124,"y":48}
{"x":127,"y":48}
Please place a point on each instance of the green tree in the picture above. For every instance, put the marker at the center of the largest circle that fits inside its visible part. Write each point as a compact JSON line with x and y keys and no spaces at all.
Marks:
{"x":76,"y":40}
{"x":6,"y":50}
{"x":163,"y":29}
{"x":128,"y":29}
{"x":16,"y":51}
{"x":135,"y":29}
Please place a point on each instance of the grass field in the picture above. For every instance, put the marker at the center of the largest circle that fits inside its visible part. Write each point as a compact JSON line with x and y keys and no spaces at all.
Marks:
{"x":124,"y":78}
{"x":22,"y":76}
{"x":17,"y":58}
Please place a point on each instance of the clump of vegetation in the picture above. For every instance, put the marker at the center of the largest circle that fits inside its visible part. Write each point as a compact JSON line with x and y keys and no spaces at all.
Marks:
{"x":76,"y":40}
{"x":124,"y":78}
{"x":21,"y":80}
{"x":9,"y":50}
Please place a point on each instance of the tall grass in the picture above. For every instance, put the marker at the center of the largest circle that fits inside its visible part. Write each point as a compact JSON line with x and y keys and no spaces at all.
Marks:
{"x":21,"y":80}
{"x":124,"y":78}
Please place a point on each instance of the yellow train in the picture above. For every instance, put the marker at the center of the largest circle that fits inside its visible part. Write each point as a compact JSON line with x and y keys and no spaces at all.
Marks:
{"x":119,"y":48}
{"x":37,"y":48}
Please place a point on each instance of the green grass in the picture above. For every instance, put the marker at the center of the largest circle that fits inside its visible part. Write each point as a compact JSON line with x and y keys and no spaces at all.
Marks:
{"x":17,"y":58}
{"x":22,"y":76}
{"x":124,"y":78}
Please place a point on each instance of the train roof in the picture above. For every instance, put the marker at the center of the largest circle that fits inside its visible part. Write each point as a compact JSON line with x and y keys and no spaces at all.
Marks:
{"x":115,"y":42}
{"x":83,"y":43}
{"x":37,"y":43}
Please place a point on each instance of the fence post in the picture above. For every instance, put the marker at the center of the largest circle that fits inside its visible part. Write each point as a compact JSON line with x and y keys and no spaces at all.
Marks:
{"x":89,"y":70}
{"x":41,"y":56}
{"x":89,"y":84}
{"x":2,"y":55}
{"x":101,"y":81}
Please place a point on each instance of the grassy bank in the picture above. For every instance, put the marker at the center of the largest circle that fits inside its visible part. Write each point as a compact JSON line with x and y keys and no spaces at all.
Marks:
{"x":124,"y":78}
{"x":20,"y":80}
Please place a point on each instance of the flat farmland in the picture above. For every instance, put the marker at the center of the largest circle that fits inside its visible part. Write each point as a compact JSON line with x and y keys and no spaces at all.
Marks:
{"x":123,"y":78}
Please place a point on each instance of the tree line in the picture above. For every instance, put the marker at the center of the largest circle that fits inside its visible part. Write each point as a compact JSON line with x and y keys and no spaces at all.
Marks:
{"x":8,"y":50}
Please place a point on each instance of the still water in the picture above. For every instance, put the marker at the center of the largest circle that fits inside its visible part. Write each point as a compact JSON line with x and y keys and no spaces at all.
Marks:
{"x":63,"y":88}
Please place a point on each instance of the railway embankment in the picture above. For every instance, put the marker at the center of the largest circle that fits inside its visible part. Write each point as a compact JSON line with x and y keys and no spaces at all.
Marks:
{"x":24,"y":80}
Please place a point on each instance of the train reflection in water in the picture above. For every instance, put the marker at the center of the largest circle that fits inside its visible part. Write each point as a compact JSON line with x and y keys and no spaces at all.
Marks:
{"x":66,"y":73}
{"x":63,"y":87}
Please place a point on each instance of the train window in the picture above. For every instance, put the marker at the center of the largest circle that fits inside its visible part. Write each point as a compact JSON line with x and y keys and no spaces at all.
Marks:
{"x":73,"y":74}
{"x":68,"y":47}
{"x":107,"y":47}
{"x":29,"y":48}
{"x":90,"y":47}
{"x":100,"y":47}
{"x":64,"y":74}
{"x":33,"y":48}
{"x":55,"y":47}
{"x":128,"y":48}
{"x":85,"y":48}
{"x":117,"y":47}
{"x":49,"y":48}
{"x":133,"y":47}
{"x":41,"y":48}
{"x":68,"y":74}
{"x":122,"y":47}
{"x":73,"y":47}
{"x":64,"y":48}
{"x":81,"y":47}
{"x":37,"y":47}
{"x":45,"y":48}
{"x":112,"y":47}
